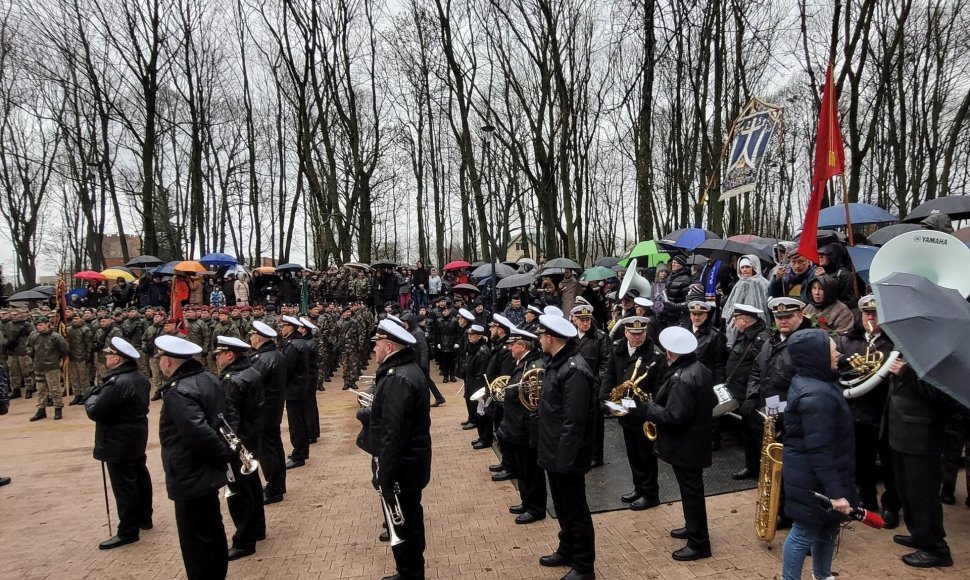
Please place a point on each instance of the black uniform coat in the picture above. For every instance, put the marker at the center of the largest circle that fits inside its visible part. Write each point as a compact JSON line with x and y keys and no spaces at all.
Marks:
{"x":119,"y":407}
{"x":473,"y":367}
{"x":869,"y":408}
{"x":620,"y":367}
{"x":194,"y":454}
{"x":682,"y":412}
{"x":566,"y":434}
{"x":819,"y":454}
{"x":916,"y":415}
{"x":747,"y":347}
{"x":244,"y":401}
{"x":447,"y":333}
{"x":502,"y":361}
{"x":773,"y":370}
{"x":271,"y":364}
{"x":400,"y":424}
{"x":516,"y":423}
{"x":711,"y":348}
{"x":297,"y":357}
{"x":594,"y":347}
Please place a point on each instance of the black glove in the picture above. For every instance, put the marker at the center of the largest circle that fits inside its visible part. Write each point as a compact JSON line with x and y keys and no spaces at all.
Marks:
{"x":748,"y":407}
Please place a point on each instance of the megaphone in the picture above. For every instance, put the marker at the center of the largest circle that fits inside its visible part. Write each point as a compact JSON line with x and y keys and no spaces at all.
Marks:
{"x":936,"y":256}
{"x":634,"y":281}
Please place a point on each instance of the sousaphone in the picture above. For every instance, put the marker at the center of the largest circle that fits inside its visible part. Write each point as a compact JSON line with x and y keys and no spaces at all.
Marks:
{"x":634,"y":281}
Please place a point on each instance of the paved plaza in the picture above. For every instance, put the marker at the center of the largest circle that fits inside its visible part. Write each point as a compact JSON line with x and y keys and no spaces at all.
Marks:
{"x":52,"y":517}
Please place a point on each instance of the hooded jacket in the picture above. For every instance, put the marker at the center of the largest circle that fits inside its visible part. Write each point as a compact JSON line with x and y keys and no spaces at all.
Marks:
{"x":819,"y":454}
{"x":838,"y":269}
{"x":838,"y":318}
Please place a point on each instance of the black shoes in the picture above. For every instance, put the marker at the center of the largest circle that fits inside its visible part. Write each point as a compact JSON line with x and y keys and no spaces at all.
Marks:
{"x":29,"y":395}
{"x":77,"y":400}
{"x":744,"y":474}
{"x":311,"y":440}
{"x":156,"y":397}
{"x":438,"y":403}
{"x":921,"y":559}
{"x":146,"y":525}
{"x":393,"y":577}
{"x":290,"y":464}
{"x":117,"y":542}
{"x":595,"y":463}
{"x":574,"y":575}
{"x":679,"y":533}
{"x":15,"y":394}
{"x":630,"y":497}
{"x":528,"y":518}
{"x":948,"y":498}
{"x":516,"y":509}
{"x":496,"y":467}
{"x":467,"y":426}
{"x":502,"y":476}
{"x":480,"y":445}
{"x":890,"y":519}
{"x":554,"y":560}
{"x":687,"y":554}
{"x":385,"y":536}
{"x":643,"y":503}
{"x":40,"y":414}
{"x":268,"y":499}
{"x":236,"y":553}
{"x":5,"y":480}
{"x":57,"y":414}
{"x":904,"y":540}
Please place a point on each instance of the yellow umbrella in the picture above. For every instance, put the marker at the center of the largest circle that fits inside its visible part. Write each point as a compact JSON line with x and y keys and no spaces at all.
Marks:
{"x":190,"y":267}
{"x":266,"y":270}
{"x":115,"y":273}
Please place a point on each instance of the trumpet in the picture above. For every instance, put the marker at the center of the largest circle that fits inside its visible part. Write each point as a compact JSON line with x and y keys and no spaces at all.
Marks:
{"x":392,"y":514}
{"x":249,"y":463}
{"x":364,"y":398}
{"x":368,"y":380}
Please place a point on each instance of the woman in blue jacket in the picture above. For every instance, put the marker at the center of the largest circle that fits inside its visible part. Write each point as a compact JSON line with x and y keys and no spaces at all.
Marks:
{"x":818,"y":455}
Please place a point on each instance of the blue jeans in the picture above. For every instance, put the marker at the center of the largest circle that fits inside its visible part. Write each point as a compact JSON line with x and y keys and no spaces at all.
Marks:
{"x":821,"y":540}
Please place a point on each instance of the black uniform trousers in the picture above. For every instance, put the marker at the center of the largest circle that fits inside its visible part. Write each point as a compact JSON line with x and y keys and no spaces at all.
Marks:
{"x":918,"y":484}
{"x":246,"y":508}
{"x":132,"y":487}
{"x":485,"y":424}
{"x":312,"y":414}
{"x":272,"y":457}
{"x":691,"y":483}
{"x":643,"y":463}
{"x":532,"y":478}
{"x":202,"y":537}
{"x":868,"y":473}
{"x":299,"y":437}
{"x":446,"y":362}
{"x":752,"y":431}
{"x":508,"y":462}
{"x":470,"y":405}
{"x":956,"y":441}
{"x":576,"y":535}
{"x":409,"y":555}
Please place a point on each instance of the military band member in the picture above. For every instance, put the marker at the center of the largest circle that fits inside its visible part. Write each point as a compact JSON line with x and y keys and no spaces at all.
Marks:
{"x":297,"y":357}
{"x":500,"y":364}
{"x":566,"y":441}
{"x":633,"y":347}
{"x":594,"y":346}
{"x":400,"y":438}
{"x":119,"y":407}
{"x":682,"y":415}
{"x":194,"y":456}
{"x":243,"y":386}
{"x":472,"y":370}
{"x":751,"y":333}
{"x":271,"y":364}
{"x":447,"y":334}
{"x":46,"y":349}
{"x":711,"y":350}
{"x":311,"y":410}
{"x":517,"y":431}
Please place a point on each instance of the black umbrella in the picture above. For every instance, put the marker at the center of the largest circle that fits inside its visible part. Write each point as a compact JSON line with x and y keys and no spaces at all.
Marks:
{"x":929,"y":325}
{"x":385,"y":263}
{"x":955,"y":206}
{"x":464,"y":289}
{"x":289,"y":267}
{"x":144,"y":262}
{"x":883,"y":235}
{"x":28,"y":296}
{"x":48,"y":290}
{"x":607,"y":261}
{"x":717,"y":249}
{"x":516,"y":280}
{"x":485,"y":270}
{"x":564,"y":263}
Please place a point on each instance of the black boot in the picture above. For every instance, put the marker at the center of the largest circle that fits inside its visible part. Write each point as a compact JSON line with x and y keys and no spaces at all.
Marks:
{"x":29,"y":395}
{"x":40,"y":414}
{"x":57,"y":414}
{"x":16,"y":394}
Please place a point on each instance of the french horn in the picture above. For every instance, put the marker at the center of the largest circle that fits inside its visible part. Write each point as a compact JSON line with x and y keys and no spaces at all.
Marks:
{"x":530,"y":388}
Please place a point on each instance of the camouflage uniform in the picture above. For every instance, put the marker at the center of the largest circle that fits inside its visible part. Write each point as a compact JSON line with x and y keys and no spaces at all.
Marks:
{"x":46,"y":350}
{"x":80,"y":342}
{"x":353,"y":339}
{"x":148,"y":347}
{"x":101,"y":338}
{"x":19,"y":365}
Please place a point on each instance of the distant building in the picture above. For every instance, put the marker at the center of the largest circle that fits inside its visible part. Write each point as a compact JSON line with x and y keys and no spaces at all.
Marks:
{"x":524,"y":245}
{"x":111,"y":248}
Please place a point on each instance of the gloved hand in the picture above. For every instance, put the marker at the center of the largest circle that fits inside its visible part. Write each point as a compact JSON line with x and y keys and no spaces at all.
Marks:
{"x":748,"y":406}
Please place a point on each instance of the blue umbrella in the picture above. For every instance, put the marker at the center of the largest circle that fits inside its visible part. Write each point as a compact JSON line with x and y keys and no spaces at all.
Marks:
{"x":862,"y":258}
{"x":687,"y":238}
{"x":859,"y":214}
{"x":218,"y":260}
{"x":166,"y":270}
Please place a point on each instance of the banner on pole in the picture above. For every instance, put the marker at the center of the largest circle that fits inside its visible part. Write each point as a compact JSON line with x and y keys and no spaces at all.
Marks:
{"x":750,"y":136}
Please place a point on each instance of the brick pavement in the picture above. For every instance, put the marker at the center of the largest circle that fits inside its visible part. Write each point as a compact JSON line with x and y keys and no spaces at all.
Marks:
{"x":52,"y":517}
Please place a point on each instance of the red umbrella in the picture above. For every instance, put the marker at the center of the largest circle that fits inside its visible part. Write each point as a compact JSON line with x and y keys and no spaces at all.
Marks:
{"x":90,"y":275}
{"x":456,"y":265}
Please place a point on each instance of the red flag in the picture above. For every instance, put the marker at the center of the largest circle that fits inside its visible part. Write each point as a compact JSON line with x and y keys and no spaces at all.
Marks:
{"x":829,"y":162}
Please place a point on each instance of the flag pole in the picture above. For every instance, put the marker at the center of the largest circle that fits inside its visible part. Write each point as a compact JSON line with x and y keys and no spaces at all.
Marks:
{"x":848,"y":234}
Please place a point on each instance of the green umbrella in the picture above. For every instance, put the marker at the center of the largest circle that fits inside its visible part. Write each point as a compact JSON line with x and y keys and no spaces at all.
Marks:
{"x":648,"y":252}
{"x":597,"y":273}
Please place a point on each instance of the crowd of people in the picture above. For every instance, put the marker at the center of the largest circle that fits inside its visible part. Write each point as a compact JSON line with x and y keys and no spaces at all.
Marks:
{"x":648,"y":356}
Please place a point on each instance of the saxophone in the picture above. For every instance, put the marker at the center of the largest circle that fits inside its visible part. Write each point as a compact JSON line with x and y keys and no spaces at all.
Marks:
{"x":769,"y":483}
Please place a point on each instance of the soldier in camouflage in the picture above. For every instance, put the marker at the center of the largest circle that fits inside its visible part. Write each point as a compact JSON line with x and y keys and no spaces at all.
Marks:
{"x":148,"y":347}
{"x":106,"y":331}
{"x":19,"y":366}
{"x":80,"y":342}
{"x":46,"y":349}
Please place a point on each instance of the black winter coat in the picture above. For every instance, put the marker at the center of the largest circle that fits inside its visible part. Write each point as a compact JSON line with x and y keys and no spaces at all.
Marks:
{"x":566,"y":414}
{"x":244,"y":401}
{"x":313,"y":362}
{"x":400,"y":424}
{"x":420,"y":348}
{"x":869,"y":408}
{"x":711,"y":349}
{"x":819,"y":454}
{"x":473,"y":367}
{"x":916,"y":415}
{"x":271,"y":364}
{"x":747,"y":347}
{"x":515,"y":426}
{"x":772,"y":371}
{"x":620,"y":368}
{"x":119,"y":408}
{"x":447,"y":333}
{"x":194,"y":454}
{"x":677,"y":285}
{"x":682,"y":412}
{"x":501,"y":362}
{"x":594,"y":347}
{"x":297,"y":357}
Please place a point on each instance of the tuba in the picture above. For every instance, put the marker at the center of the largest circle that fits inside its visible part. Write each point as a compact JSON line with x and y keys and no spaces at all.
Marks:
{"x":530,"y":388}
{"x":769,"y":483}
{"x":866,"y":371}
{"x":497,"y":387}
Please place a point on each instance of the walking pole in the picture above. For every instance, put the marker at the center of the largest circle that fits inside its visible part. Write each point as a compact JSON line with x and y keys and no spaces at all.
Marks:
{"x":107,"y":507}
